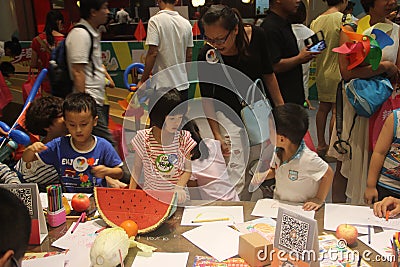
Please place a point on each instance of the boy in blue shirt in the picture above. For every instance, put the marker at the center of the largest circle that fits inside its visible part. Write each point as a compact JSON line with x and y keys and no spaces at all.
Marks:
{"x":82,"y":159}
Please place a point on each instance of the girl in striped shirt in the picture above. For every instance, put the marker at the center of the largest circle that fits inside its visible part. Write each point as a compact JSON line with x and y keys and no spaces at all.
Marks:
{"x":163,"y":151}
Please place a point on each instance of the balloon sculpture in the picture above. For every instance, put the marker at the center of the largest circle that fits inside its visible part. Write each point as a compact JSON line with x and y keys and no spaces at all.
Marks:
{"x":367,"y":44}
{"x":14,"y":135}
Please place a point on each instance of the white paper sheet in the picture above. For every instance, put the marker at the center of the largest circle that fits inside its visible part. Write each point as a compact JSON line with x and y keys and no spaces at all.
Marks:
{"x":53,"y":261}
{"x":164,"y":259}
{"x":336,"y":214}
{"x":78,"y":256}
{"x":83,"y":236}
{"x":269,"y":208}
{"x":219,"y":241}
{"x":227,"y":215}
{"x":380,"y":242}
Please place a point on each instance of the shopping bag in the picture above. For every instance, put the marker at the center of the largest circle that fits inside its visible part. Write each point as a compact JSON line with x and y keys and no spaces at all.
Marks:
{"x":27,"y":86}
{"x":377,"y":120}
{"x":5,"y":93}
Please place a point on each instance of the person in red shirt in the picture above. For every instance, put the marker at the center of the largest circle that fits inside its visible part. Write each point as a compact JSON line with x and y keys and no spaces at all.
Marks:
{"x":45,"y":42}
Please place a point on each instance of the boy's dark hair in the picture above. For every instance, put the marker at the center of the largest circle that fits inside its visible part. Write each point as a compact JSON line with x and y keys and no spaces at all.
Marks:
{"x":169,"y":1}
{"x":51,"y":24}
{"x":291,"y":121}
{"x":14,"y":46}
{"x":41,"y":114}
{"x":200,"y":151}
{"x":163,"y":103}
{"x":87,"y":5}
{"x":301,"y":14}
{"x":15,"y":224}
{"x":7,"y":69}
{"x":79,"y":102}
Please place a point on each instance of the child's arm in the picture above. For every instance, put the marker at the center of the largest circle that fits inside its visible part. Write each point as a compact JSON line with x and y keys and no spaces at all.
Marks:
{"x":260,"y":177}
{"x":100,"y":171}
{"x":136,"y":171}
{"x":378,"y":157}
{"x":108,"y":77}
{"x":323,"y":190}
{"x":29,"y":154}
{"x":183,"y":180}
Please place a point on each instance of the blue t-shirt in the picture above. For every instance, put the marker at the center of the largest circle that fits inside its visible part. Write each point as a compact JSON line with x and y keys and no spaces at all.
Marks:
{"x":74,"y":166}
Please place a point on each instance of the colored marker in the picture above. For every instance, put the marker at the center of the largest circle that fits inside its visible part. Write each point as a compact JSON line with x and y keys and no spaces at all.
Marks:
{"x":369,"y":234}
{"x":211,"y":220}
{"x":387,"y":215}
{"x":101,"y":229}
{"x":83,"y":215}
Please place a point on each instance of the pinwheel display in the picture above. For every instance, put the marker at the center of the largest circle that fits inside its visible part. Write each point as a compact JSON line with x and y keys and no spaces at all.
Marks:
{"x":367,"y":44}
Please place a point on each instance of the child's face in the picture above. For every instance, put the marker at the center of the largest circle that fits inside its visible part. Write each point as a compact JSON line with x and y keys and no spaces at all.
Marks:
{"x":57,"y":128}
{"x":172,"y":123}
{"x":80,"y":125}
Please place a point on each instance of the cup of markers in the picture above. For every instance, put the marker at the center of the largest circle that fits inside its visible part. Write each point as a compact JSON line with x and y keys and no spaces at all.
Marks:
{"x":56,"y":212}
{"x":395,"y":248}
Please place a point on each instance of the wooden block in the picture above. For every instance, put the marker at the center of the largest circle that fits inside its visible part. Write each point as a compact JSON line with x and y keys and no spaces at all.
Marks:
{"x":254,"y":249}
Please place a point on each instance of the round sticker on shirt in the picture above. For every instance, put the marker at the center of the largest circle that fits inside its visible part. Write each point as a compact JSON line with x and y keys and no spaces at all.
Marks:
{"x":211,"y":56}
{"x":163,"y":164}
{"x":80,"y":164}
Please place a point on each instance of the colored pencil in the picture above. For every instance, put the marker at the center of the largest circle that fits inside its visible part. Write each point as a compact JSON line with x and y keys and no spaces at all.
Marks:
{"x":78,"y":221}
{"x":387,"y":215}
{"x":120,"y":258}
{"x":101,"y":229}
{"x":369,"y":234}
{"x":211,"y":220}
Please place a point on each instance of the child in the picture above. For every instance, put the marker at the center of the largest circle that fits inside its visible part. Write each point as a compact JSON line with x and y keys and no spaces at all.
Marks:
{"x":209,"y":168}
{"x":43,"y":118}
{"x":83,"y":160}
{"x":384,"y":171}
{"x":7,"y":176}
{"x":163,"y":151}
{"x":301,"y":176}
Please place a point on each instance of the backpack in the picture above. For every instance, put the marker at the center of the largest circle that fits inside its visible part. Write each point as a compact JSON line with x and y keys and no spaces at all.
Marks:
{"x":60,"y":80}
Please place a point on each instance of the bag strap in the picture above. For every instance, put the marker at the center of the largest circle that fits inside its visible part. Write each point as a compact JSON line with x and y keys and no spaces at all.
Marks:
{"x":43,"y":44}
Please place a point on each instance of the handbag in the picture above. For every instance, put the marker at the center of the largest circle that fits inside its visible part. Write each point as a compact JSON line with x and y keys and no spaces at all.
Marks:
{"x":254,"y":114}
{"x":5,"y":93}
{"x":27,"y":86}
{"x":367,"y":95}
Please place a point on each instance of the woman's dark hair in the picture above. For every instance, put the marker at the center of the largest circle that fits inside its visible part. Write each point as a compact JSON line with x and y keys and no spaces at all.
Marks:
{"x":14,"y":46}
{"x":165,"y":102}
{"x":367,"y":5}
{"x":51,"y":25}
{"x":87,"y":5}
{"x":333,"y":2}
{"x":200,"y":151}
{"x":80,"y":102}
{"x":41,"y":114}
{"x":301,"y":14}
{"x":228,"y":19}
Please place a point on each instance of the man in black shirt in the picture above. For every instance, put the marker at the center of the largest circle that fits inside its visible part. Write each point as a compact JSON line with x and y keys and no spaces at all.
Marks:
{"x":285,"y":55}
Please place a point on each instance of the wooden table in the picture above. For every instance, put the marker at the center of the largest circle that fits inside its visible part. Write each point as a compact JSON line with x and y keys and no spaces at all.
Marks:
{"x":168,"y":237}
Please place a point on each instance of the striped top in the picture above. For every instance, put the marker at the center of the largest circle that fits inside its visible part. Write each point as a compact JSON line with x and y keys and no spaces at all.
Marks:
{"x":7,"y":176}
{"x":162,"y":165}
{"x":390,"y":172}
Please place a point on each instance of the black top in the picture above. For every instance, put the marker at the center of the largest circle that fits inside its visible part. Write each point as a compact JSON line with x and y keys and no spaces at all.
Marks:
{"x":253,"y":65}
{"x":282,"y":43}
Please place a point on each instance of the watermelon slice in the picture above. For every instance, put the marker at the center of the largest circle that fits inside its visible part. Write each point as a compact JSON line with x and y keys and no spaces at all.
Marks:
{"x":149,"y":209}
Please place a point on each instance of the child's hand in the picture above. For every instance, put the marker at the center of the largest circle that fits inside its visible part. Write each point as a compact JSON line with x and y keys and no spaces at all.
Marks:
{"x":259,"y":177}
{"x":113,"y":183}
{"x":37,"y":147}
{"x":370,"y":195}
{"x":100,"y":171}
{"x":312,"y":204}
{"x":181,"y":194}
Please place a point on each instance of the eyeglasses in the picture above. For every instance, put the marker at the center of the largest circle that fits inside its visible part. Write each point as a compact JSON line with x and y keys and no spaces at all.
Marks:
{"x":217,"y":41}
{"x":14,"y":261}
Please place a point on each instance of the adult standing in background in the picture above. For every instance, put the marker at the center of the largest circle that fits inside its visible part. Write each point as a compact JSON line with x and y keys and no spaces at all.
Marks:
{"x":285,"y":55}
{"x":170,"y":41}
{"x":242,"y":47}
{"x":10,"y":48}
{"x":88,"y":73}
{"x":45,"y":42}
{"x":122,"y":16}
{"x":328,"y":73}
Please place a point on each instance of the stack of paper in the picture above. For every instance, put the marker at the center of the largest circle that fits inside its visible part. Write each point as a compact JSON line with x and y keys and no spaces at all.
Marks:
{"x":269,"y":208}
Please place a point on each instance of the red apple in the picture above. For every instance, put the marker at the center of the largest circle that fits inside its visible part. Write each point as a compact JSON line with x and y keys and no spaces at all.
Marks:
{"x":347,"y":232}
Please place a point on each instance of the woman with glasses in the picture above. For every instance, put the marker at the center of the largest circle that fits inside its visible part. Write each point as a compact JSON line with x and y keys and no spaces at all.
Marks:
{"x":354,"y":168}
{"x":244,"y":48}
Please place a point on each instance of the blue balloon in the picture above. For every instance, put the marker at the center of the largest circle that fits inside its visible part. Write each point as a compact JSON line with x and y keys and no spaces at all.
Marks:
{"x":4,"y":126}
{"x":20,"y":137}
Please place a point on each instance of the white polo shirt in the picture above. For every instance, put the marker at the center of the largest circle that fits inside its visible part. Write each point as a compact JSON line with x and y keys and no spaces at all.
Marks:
{"x":78,"y":49}
{"x":297,"y":180}
{"x":172,"y":34}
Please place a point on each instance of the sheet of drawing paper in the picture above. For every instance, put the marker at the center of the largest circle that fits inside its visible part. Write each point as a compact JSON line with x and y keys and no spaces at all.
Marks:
{"x":164,"y":259}
{"x":380,"y":242}
{"x":269,"y":208}
{"x":217,"y":240}
{"x":53,"y":261}
{"x":228,"y":215}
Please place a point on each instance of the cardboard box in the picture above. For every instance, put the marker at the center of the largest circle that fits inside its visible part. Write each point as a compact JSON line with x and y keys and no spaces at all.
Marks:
{"x":255,"y":249}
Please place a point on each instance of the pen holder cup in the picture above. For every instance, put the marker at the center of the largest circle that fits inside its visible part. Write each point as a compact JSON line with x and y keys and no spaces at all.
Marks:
{"x":56,"y":218}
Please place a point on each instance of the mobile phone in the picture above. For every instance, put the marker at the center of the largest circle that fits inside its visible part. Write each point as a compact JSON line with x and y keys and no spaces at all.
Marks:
{"x":316,"y":42}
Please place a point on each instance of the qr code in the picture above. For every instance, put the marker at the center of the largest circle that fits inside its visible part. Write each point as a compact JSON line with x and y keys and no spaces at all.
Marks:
{"x":294,"y":234}
{"x":25,"y":194}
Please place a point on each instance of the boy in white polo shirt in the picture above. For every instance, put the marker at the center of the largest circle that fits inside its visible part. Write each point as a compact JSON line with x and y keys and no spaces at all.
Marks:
{"x":301,"y":175}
